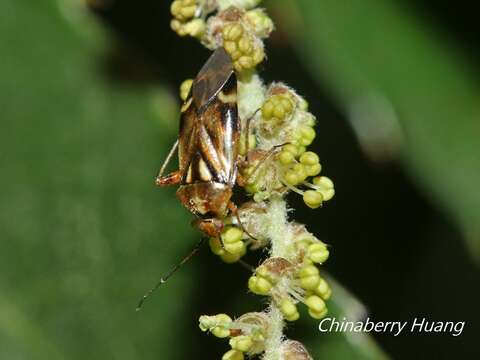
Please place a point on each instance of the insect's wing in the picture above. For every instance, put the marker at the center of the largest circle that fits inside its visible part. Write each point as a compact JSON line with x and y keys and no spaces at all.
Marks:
{"x":211,"y":78}
{"x":209,"y":128}
{"x":219,"y":134}
{"x":188,"y":136}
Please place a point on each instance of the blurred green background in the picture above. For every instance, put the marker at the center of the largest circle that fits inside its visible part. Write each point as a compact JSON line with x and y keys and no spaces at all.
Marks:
{"x":89,"y":108}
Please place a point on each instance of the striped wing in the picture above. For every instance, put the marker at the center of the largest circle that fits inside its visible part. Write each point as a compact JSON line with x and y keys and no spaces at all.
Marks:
{"x":208,"y":143}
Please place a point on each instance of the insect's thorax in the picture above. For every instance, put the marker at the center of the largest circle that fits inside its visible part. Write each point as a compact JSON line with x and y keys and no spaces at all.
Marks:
{"x":206,"y":198}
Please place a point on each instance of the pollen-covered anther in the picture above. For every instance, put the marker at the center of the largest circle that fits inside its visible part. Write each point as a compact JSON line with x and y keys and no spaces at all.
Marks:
{"x":241,"y":343}
{"x":289,"y":310}
{"x":323,"y":289}
{"x":243,"y":47}
{"x":316,"y":306}
{"x":304,"y":135}
{"x":309,"y":277}
{"x":276,"y":110}
{"x":268,"y":274}
{"x":185,"y":21}
{"x":185,"y":87}
{"x":233,"y":355}
{"x":183,"y":10}
{"x":230,"y":246}
{"x":313,"y":199}
{"x":311,"y":163}
{"x":195,"y":27}
{"x":260,"y":22}
{"x":259,"y":285}
{"x":318,"y":252}
{"x":325,"y":186}
{"x":218,"y":325}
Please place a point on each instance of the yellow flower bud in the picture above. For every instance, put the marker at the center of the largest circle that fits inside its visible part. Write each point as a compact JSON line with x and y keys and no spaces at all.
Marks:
{"x":232,"y":32}
{"x":230,"y":258}
{"x":300,"y":171}
{"x":218,"y":325}
{"x":267,"y":109}
{"x":313,"y":170}
{"x":325,"y":187}
{"x":188,"y":12}
{"x":230,"y":47}
{"x":289,"y":310}
{"x":241,"y":343}
{"x":323,"y":289}
{"x":315,"y":303}
{"x":291,"y":178}
{"x":235,"y":248}
{"x":175,"y":8}
{"x":307,"y":135}
{"x":195,"y":27}
{"x":312,"y":199}
{"x":309,"y":158}
{"x":291,"y":149}
{"x":231,"y":234}
{"x":216,"y":246}
{"x":259,"y":285}
{"x":323,"y":182}
{"x":309,"y":277}
{"x":233,"y":355}
{"x":303,"y":105}
{"x":317,"y":314}
{"x":260,"y":22}
{"x":286,"y":157}
{"x":318,"y":252}
{"x":185,"y":88}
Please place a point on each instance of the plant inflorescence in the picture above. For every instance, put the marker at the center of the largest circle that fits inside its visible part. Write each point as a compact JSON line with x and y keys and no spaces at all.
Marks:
{"x":276,"y":163}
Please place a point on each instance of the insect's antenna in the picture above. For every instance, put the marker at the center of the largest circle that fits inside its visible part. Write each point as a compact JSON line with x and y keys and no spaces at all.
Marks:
{"x":264,"y":158}
{"x":247,"y":137}
{"x":233,"y":208}
{"x":170,"y":273}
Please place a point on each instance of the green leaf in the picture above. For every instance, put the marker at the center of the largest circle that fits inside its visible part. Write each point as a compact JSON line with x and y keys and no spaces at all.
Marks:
{"x":84,"y":231}
{"x":394,"y":73}
{"x":344,"y":345}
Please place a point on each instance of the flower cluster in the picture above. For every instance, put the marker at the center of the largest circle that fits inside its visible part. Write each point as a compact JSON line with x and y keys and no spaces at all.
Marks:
{"x":277,"y":131}
{"x":285,"y":129}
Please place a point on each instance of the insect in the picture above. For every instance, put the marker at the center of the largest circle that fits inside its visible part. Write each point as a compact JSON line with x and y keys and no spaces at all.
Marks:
{"x":208,"y":151}
{"x":208,"y":145}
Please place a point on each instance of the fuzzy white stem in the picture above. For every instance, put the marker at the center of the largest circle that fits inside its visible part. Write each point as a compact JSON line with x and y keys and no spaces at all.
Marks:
{"x":279,"y":232}
{"x":281,"y":237}
{"x":274,"y":341}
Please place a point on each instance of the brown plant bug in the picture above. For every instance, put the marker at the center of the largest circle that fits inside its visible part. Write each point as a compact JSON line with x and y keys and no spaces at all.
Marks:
{"x":208,"y":151}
